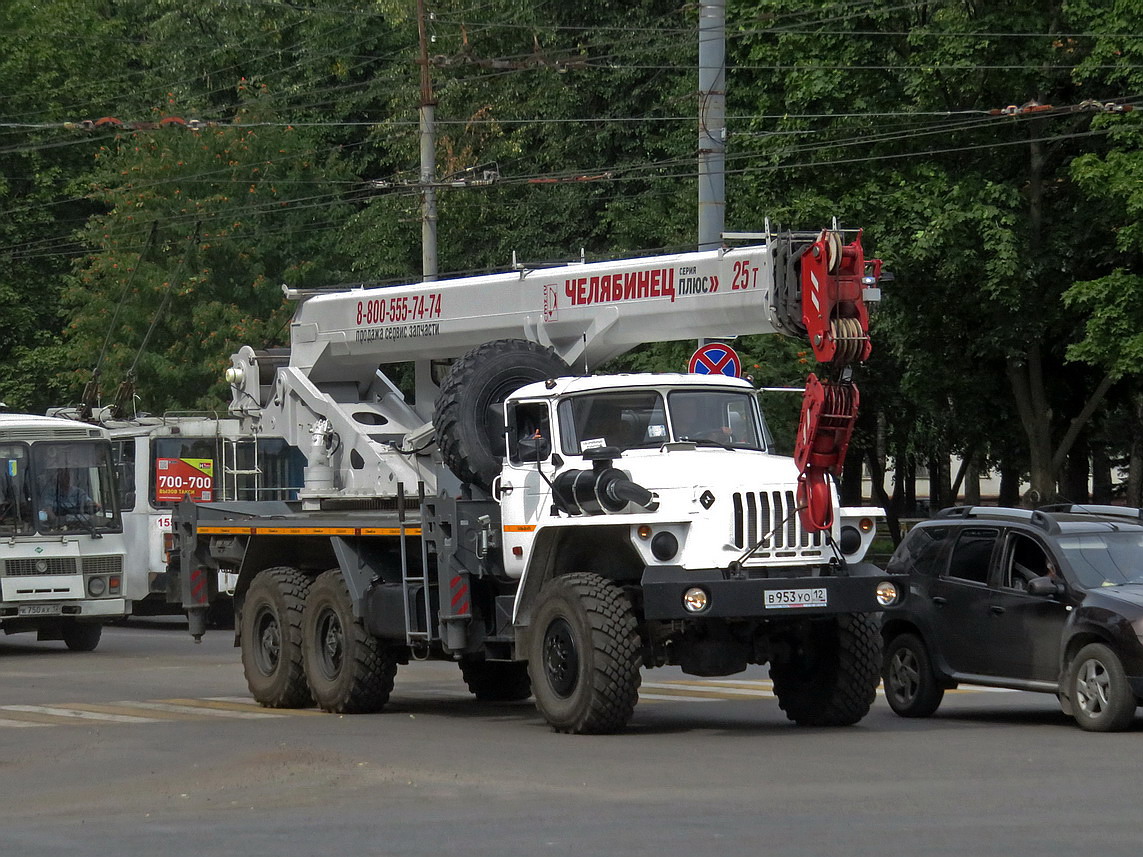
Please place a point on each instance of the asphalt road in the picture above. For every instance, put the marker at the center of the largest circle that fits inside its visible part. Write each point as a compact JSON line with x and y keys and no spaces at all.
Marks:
{"x":151,"y":746}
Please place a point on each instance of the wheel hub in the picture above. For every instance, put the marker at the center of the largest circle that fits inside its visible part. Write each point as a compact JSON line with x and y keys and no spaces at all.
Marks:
{"x":269,"y":651}
{"x":332,"y":637}
{"x":1092,"y":688}
{"x":904,"y":676}
{"x":561,"y":660}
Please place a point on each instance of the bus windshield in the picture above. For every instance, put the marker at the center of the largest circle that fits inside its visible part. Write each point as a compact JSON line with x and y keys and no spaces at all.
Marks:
{"x":69,"y":488}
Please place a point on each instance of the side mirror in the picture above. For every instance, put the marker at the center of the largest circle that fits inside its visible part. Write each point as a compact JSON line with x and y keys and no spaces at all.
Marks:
{"x":533,"y":448}
{"x":1045,"y":586}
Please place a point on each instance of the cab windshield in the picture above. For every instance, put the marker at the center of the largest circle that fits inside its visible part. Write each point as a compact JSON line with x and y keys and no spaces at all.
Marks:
{"x":642,"y":419}
{"x":1105,"y":559}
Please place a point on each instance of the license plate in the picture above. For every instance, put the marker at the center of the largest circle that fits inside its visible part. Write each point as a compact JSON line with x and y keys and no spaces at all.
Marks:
{"x":38,"y":610}
{"x":779,"y":599}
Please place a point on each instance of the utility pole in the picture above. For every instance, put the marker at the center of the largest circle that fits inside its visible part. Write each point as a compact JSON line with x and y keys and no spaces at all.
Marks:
{"x":712,"y":124}
{"x":428,"y":156}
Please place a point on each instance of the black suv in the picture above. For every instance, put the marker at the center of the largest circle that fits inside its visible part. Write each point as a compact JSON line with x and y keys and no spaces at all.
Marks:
{"x":1048,"y":600}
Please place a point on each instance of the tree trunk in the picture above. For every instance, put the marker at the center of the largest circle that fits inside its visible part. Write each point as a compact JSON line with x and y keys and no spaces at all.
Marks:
{"x":1135,"y":465}
{"x":1076,"y":470}
{"x":1009,"y":486}
{"x":877,"y":486}
{"x":1101,"y":487}
{"x":851,"y":473}
{"x":972,"y":482}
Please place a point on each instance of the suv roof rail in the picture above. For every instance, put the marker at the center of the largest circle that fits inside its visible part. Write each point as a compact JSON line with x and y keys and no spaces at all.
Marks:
{"x":1036,"y":517}
{"x":1095,"y":509}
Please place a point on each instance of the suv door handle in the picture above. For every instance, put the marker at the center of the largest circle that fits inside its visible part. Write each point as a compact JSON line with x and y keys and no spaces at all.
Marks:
{"x":940,"y":599}
{"x":995,"y":609}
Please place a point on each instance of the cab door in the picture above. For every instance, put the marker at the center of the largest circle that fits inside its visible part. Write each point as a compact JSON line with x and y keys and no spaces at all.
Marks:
{"x":960,"y":603}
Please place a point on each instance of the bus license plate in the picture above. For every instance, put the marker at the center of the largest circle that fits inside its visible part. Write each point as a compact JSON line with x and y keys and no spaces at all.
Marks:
{"x":779,"y":599}
{"x":38,"y":610}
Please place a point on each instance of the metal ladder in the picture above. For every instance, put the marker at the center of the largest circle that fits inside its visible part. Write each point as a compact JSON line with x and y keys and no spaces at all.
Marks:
{"x":411,"y":577}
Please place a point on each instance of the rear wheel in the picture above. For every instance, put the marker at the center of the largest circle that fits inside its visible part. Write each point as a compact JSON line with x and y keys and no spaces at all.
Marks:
{"x":348,"y":670}
{"x":584,"y":655}
{"x":271,"y":638}
{"x":82,"y":637}
{"x":1101,"y":697}
{"x":831,"y":680}
{"x":497,"y":681}
{"x":911,"y":688}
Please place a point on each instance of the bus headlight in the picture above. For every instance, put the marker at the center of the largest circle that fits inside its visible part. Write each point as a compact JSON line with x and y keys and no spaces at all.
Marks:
{"x":96,"y":586}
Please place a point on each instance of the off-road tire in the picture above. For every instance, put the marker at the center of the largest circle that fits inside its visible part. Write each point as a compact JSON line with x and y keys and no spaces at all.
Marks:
{"x":911,"y":687}
{"x":82,"y":636}
{"x":832,"y":678}
{"x":584,"y":655}
{"x":271,"y":638}
{"x":468,"y":425}
{"x":497,"y":681}
{"x":1101,"y":696}
{"x":348,"y":670}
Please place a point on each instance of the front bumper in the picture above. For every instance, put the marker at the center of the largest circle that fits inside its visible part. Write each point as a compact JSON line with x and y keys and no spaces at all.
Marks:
{"x":745,"y":598}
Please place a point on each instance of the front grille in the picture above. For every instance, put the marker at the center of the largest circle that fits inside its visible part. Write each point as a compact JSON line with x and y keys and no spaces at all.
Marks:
{"x":102,"y":564}
{"x":40,"y":565}
{"x":771,"y":516}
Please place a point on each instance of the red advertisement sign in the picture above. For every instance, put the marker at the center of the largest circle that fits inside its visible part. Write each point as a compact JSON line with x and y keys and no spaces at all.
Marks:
{"x":176,"y":478}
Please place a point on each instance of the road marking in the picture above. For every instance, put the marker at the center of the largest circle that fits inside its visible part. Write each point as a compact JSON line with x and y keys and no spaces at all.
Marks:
{"x":77,"y":713}
{"x":176,"y":708}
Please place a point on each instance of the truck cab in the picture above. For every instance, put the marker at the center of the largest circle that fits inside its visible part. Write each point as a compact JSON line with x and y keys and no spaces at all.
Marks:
{"x":719,"y":495}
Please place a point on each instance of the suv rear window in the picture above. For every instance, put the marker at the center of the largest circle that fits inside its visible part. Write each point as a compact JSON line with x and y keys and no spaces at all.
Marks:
{"x":924,"y":550}
{"x":972,"y":554}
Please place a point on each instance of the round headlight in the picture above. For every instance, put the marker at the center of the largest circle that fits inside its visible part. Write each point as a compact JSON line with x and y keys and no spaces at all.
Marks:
{"x":234,"y":376}
{"x":695,"y":599}
{"x":96,"y":586}
{"x":664,"y":546}
{"x":886,"y":593}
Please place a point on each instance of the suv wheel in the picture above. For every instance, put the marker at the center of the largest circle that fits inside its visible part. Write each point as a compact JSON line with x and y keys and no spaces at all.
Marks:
{"x":1102,"y":700}
{"x":910,"y":685}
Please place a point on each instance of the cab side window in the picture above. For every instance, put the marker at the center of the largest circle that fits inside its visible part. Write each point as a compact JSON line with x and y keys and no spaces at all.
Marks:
{"x":972,"y":554}
{"x":529,"y":433}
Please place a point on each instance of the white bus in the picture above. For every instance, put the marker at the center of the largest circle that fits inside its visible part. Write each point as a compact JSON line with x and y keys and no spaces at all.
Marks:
{"x":162,"y":460}
{"x":62,"y":547}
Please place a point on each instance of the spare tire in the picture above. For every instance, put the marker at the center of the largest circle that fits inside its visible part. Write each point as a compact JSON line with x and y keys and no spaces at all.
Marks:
{"x":468,"y":421}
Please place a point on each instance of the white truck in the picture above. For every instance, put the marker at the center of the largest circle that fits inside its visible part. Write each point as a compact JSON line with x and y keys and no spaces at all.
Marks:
{"x":61,"y":537}
{"x":550,"y":530}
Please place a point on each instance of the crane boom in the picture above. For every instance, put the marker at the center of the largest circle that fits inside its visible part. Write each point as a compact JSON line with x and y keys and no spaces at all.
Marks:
{"x":807,"y":283}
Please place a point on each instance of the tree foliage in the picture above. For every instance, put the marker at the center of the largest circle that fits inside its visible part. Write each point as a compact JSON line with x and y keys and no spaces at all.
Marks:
{"x":984,"y":148}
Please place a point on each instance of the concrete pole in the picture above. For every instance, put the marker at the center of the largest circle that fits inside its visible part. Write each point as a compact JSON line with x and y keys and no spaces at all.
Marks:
{"x":428,"y":157}
{"x":712,"y":124}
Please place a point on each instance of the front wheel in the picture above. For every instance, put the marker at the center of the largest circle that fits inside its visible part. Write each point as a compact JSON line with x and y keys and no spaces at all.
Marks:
{"x":348,"y":670}
{"x":911,"y":688}
{"x":1101,"y":697}
{"x":271,"y":638}
{"x":831,"y":678}
{"x":584,"y":655}
{"x":82,"y":637}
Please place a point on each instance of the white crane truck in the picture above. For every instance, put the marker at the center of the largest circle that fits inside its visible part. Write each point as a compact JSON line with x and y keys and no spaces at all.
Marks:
{"x":551,"y":530}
